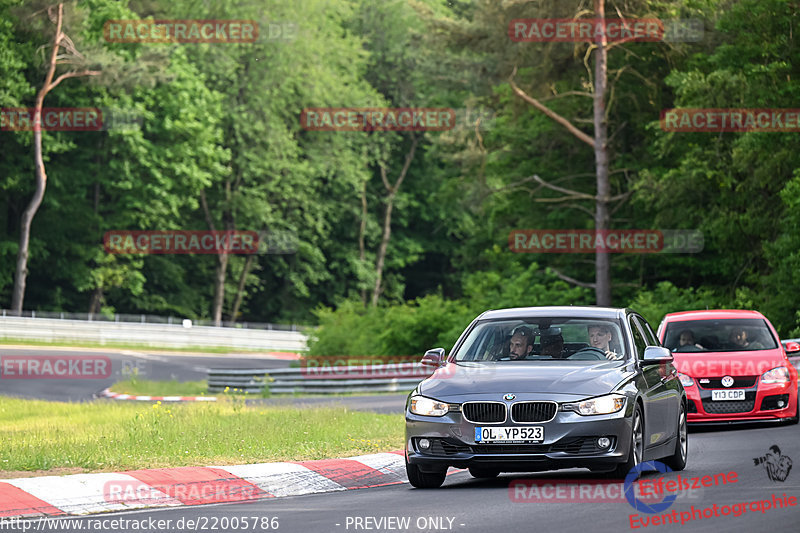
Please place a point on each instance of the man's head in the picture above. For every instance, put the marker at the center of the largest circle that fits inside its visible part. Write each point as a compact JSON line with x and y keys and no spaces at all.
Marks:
{"x":599,"y":336}
{"x":687,"y":337}
{"x":521,"y":343}
{"x":738,"y":336}
{"x":552,"y":344}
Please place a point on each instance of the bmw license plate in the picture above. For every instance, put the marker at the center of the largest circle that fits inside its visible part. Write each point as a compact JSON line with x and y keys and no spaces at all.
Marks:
{"x":509,"y":434}
{"x":734,"y":394}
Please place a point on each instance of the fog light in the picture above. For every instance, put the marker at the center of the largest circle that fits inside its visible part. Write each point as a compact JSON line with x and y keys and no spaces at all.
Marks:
{"x":781,"y":403}
{"x":424,"y":444}
{"x":603,"y":442}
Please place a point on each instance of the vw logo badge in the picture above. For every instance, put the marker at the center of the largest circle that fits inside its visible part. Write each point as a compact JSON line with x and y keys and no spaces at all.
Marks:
{"x":509,"y":397}
{"x":727,"y":381}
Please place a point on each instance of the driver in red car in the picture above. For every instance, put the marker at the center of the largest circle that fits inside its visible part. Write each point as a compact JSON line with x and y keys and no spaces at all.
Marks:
{"x":687,"y":339}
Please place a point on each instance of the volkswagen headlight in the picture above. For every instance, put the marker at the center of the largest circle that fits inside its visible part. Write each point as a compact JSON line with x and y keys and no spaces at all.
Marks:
{"x":778,"y":374}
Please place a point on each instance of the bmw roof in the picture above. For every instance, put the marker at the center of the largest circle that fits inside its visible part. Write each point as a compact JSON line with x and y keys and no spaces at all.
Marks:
{"x":564,"y":310}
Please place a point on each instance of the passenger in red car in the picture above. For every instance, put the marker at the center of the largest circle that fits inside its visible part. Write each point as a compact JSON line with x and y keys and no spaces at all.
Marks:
{"x":738,"y":337}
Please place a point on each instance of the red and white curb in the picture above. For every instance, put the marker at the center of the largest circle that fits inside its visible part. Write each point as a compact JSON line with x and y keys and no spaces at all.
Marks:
{"x":82,"y":494}
{"x":108,"y":393}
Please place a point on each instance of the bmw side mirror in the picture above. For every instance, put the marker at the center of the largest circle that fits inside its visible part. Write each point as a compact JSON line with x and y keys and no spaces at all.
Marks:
{"x":434,"y":357}
{"x":654,"y":355}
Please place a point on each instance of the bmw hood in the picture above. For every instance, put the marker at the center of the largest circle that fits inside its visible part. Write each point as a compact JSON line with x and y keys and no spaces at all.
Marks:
{"x":456,"y":380}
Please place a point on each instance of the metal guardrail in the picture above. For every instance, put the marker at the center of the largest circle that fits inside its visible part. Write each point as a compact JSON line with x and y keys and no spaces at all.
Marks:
{"x":148,"y":319}
{"x":314,"y":380}
{"x":156,"y":335}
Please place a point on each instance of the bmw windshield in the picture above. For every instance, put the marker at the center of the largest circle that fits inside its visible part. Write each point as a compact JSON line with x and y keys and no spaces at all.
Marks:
{"x":543,"y":339}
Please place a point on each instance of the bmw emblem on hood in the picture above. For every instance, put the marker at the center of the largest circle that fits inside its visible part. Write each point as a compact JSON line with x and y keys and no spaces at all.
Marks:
{"x":509,"y":397}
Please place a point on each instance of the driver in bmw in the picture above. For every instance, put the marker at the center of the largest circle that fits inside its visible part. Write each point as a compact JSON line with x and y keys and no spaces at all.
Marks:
{"x":600,"y":338}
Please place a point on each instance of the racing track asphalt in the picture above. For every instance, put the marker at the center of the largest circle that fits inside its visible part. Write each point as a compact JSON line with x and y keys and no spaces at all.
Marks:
{"x":486,"y":506}
{"x":151,"y":366}
{"x":180,"y":367}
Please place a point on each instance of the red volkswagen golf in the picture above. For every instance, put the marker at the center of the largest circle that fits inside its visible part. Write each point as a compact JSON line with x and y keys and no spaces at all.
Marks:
{"x":732,"y":365}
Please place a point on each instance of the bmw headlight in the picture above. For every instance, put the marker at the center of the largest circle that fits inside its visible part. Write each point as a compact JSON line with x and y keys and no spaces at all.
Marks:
{"x":602,"y":405}
{"x":420,"y":405}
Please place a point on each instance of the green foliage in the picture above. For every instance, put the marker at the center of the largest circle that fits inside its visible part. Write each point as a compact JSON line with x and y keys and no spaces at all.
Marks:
{"x":667,"y":298}
{"x":221,"y":121}
{"x":431,"y":321}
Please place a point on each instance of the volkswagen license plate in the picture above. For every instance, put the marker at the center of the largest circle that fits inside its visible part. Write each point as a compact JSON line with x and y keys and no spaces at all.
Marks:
{"x":734,"y":394}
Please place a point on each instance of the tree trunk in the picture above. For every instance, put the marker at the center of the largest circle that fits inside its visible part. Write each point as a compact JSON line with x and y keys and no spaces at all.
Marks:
{"x":221,"y":269}
{"x":362,"y":250}
{"x":30,"y":211}
{"x":387,"y":232}
{"x":97,"y":299}
{"x":601,"y":218}
{"x":240,"y":288}
{"x":387,"y":219}
{"x":18,"y":294}
{"x":219,"y":287}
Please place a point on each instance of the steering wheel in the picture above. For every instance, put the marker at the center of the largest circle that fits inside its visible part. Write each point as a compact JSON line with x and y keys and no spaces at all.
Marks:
{"x":590,"y":353}
{"x":687,"y":348}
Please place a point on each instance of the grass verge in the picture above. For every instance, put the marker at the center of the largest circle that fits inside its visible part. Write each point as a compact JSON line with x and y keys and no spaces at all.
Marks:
{"x":143,"y":387}
{"x":109,"y":436}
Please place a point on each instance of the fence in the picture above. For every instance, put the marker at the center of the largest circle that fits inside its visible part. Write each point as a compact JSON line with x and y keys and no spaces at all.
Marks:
{"x":321,"y":381}
{"x":149,"y":334}
{"x":147,"y":319}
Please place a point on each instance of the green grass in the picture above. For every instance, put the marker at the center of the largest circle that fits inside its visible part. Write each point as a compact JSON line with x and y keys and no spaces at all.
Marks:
{"x":129,"y":346}
{"x":143,"y":387}
{"x":107,"y":436}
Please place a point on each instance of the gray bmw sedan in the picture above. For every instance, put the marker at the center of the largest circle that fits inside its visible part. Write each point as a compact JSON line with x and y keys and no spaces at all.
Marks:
{"x":545,"y":388}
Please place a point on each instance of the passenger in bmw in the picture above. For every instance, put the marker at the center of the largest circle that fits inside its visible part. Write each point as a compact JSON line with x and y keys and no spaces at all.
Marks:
{"x":521,"y":343}
{"x":552,"y":343}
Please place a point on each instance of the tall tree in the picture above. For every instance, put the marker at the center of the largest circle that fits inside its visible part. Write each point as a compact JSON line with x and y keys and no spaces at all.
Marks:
{"x":62,"y":51}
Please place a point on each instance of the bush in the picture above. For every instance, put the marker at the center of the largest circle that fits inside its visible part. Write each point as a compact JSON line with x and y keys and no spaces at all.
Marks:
{"x":432,"y":321}
{"x":665,"y":298}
